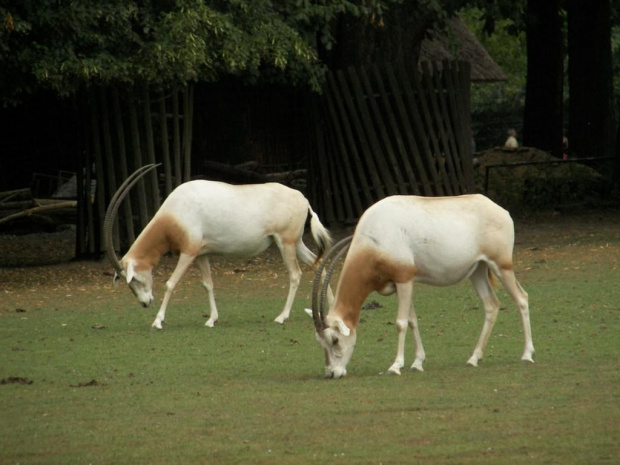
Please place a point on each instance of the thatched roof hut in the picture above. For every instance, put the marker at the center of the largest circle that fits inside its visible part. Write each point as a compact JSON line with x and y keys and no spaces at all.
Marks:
{"x":457,"y":42}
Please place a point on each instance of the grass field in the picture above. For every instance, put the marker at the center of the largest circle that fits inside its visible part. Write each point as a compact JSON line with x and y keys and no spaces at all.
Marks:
{"x":85,"y":381}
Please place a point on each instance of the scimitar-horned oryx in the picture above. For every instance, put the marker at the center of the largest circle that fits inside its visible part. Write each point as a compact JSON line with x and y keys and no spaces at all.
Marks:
{"x":405,"y":239}
{"x":200,"y":218}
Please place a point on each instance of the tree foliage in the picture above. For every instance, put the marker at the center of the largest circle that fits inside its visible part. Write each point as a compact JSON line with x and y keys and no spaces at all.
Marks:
{"x":506,"y":45}
{"x":63,"y":46}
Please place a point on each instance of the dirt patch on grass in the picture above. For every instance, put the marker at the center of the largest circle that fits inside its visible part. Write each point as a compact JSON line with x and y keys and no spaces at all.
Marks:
{"x":16,"y":380}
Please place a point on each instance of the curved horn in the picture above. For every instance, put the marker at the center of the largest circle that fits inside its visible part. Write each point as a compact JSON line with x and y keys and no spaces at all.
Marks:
{"x":333,"y":255}
{"x":328,"y":275}
{"x":110,"y":215}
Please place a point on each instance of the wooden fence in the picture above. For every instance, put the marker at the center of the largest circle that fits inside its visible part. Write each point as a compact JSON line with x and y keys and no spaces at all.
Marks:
{"x":129,"y":128}
{"x":391,"y":129}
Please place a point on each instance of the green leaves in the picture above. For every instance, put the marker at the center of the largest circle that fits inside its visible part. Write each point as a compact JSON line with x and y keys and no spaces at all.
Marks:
{"x":508,"y":51}
{"x":65,"y":46}
{"x":75,"y":44}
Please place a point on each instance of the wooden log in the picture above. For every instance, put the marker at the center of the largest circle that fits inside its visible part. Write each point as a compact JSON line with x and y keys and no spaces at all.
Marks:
{"x":229,"y":173}
{"x":17,"y":205}
{"x":251,"y":165}
{"x":287,"y":176}
{"x":41,"y":208}
{"x":15,"y":194}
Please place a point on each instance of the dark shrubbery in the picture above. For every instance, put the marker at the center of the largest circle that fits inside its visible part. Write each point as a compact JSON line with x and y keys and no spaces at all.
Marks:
{"x":531,"y":187}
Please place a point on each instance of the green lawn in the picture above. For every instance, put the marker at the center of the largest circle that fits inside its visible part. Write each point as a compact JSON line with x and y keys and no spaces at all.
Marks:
{"x":106,"y":390}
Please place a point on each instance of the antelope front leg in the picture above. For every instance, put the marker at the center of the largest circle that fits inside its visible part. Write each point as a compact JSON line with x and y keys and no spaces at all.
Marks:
{"x":182,"y":265}
{"x":161,"y":314}
{"x":404,"y":292}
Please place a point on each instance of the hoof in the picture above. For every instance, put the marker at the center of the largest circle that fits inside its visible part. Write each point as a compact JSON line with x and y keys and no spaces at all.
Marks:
{"x":527,"y":358}
{"x":155,"y":328}
{"x":280,"y":320}
{"x":417,"y":366}
{"x":210,"y":323}
{"x":393,"y":371}
{"x":472,"y":362}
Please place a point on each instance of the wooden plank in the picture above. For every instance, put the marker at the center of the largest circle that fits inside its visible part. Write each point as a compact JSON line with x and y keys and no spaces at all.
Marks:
{"x":374,"y":153}
{"x":331,"y":188}
{"x":449,"y":82}
{"x":321,"y":191}
{"x":340,"y":145}
{"x":464,"y":92}
{"x":394,"y":130}
{"x":462,"y":142}
{"x":338,"y":189}
{"x":379,"y":120}
{"x":340,"y":172}
{"x":349,"y":151}
{"x":368,"y":176}
{"x":425,"y":92}
{"x":402,"y":153}
{"x":447,"y":137}
{"x":339,"y":150}
{"x":412,"y":146}
{"x":418,"y":130}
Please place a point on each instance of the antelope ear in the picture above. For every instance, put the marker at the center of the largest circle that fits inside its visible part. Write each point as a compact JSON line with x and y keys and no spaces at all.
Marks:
{"x":344,"y":329}
{"x":130,"y":271}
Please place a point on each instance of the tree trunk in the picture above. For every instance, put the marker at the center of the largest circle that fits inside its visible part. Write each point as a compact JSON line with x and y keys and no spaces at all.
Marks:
{"x":137,"y":157}
{"x":122,"y":164}
{"x":163,"y":124}
{"x":150,"y":148}
{"x":107,"y":147}
{"x":543,"y":116}
{"x":590,"y":78}
{"x":188,"y":118}
{"x":176,"y":138}
{"x":615,"y":175}
{"x":100,"y":196}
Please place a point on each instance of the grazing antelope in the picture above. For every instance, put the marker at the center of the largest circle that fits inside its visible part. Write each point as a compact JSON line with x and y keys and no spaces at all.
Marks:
{"x":405,"y":239}
{"x":200,"y":218}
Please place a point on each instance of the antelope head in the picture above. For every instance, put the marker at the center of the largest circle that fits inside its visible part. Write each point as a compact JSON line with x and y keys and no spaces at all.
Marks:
{"x":138,"y":275}
{"x":336,"y":338}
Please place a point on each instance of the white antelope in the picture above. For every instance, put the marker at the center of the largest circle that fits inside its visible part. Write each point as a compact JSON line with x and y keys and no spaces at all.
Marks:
{"x":405,"y":239}
{"x":200,"y":218}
